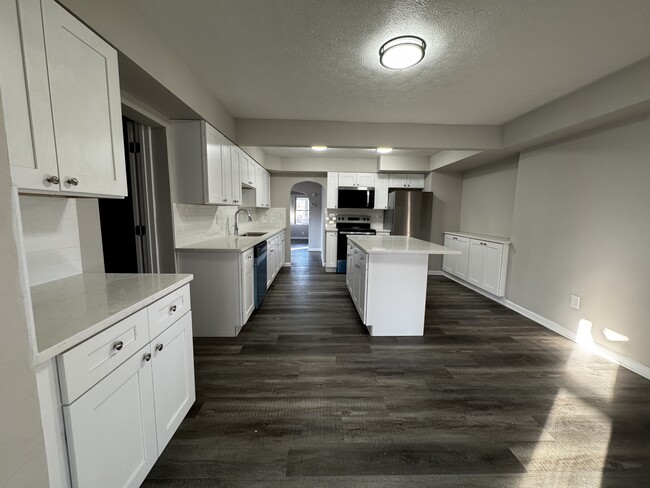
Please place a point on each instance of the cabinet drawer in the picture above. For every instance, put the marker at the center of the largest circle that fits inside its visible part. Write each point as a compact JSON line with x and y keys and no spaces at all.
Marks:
{"x":167,"y":310}
{"x":85,"y":365}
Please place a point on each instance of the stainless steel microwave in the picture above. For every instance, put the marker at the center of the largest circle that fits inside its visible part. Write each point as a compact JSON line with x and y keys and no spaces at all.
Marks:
{"x":356,"y":197}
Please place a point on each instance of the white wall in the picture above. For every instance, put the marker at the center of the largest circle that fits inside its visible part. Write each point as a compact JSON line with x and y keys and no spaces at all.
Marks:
{"x":488,"y":199}
{"x":22,"y":450}
{"x":51,"y":234}
{"x":581,"y":226}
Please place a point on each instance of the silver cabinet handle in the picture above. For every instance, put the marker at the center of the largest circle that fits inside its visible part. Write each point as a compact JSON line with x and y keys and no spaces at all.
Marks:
{"x":147,"y":357}
{"x":159,"y":347}
{"x":72,"y":181}
{"x":225,"y":199}
{"x":53,"y":179}
{"x":172,"y":309}
{"x":118,"y":345}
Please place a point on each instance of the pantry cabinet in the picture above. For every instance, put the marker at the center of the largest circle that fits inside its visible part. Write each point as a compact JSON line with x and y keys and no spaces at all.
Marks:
{"x":483,"y":261}
{"x":64,"y":104}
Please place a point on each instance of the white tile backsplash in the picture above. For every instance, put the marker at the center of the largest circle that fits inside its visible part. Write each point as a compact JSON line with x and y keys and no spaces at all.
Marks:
{"x":195,"y":223}
{"x":51,"y":236}
{"x":376,"y":216}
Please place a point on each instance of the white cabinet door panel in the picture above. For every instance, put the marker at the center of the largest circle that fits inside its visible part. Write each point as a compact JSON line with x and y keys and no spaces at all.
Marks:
{"x":86,"y":105}
{"x":330,"y":248}
{"x":173,"y":378}
{"x":449,"y":260}
{"x":347,"y":179}
{"x":381,"y":192}
{"x":492,"y":267}
{"x":111,"y":429}
{"x":461,"y":261}
{"x":214,"y":173}
{"x":366,"y":179}
{"x":332,"y":190}
{"x":476,"y":257}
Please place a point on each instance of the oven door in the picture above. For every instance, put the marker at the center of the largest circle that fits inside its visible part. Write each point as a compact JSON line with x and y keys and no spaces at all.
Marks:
{"x":342,"y":247}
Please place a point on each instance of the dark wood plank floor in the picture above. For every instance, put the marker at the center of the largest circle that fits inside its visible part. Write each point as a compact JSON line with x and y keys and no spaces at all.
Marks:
{"x":305,"y":398}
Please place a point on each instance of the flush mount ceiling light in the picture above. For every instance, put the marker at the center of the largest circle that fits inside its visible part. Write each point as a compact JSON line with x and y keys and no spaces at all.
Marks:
{"x":384,"y":150}
{"x":319,"y":148}
{"x":402,"y":52}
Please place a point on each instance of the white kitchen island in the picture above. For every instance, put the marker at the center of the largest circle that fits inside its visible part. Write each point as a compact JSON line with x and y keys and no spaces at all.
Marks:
{"x":387,"y":279}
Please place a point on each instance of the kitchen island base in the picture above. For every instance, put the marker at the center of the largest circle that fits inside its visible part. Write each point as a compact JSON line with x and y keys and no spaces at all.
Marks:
{"x":387,"y":279}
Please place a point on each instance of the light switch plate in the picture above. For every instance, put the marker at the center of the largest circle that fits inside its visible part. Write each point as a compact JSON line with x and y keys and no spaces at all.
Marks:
{"x":575,"y":302}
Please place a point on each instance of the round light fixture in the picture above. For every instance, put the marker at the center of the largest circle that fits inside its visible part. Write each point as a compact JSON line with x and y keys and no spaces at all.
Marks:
{"x":384,"y":150}
{"x":319,"y":148}
{"x":402,"y":52}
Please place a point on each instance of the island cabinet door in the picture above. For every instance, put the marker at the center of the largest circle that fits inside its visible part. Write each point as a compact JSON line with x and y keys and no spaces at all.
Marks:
{"x":111,"y":429}
{"x":173,"y":378}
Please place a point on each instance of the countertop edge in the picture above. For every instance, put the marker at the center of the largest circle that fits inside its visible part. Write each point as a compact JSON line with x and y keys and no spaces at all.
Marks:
{"x":248,"y":246}
{"x":358,"y":243}
{"x":66,"y":344}
{"x":483,"y":237}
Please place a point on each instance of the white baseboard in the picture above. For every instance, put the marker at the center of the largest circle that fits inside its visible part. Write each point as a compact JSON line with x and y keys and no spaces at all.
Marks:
{"x":315,"y":249}
{"x":435,"y":272}
{"x":287,"y":264}
{"x":603,"y":351}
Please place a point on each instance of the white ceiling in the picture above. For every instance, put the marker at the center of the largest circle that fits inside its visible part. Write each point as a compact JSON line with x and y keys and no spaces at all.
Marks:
{"x":488,"y":61}
{"x":305,"y":152}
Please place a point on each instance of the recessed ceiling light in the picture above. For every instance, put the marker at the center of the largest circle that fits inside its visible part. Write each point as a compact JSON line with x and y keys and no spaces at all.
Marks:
{"x":319,"y":148}
{"x":384,"y":150}
{"x":402,"y":52}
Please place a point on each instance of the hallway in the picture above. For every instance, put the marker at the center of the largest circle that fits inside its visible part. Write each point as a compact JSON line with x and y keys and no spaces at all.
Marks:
{"x":304,"y":397}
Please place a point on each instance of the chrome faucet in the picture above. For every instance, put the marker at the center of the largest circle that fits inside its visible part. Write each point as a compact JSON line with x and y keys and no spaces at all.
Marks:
{"x":250,"y":219}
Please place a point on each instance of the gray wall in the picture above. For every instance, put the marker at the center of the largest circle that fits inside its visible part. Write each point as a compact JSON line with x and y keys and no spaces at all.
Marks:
{"x":447,"y":191}
{"x":22,"y":450}
{"x":581,"y":226}
{"x":488,"y":199}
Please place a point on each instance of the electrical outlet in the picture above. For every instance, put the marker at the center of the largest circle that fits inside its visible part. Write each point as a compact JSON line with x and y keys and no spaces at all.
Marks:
{"x":575,"y":302}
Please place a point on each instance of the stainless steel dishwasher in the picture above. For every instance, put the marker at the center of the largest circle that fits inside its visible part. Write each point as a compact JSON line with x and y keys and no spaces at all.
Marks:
{"x":259,"y":253}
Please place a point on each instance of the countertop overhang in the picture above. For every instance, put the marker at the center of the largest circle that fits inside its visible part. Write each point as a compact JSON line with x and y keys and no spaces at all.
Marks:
{"x":70,"y":310}
{"x":231,"y":243}
{"x":380,"y":244}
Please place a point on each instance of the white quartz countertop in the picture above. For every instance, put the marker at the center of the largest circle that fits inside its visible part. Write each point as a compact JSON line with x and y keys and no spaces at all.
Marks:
{"x":398,"y":245}
{"x":70,"y":310}
{"x":482,"y":237}
{"x":231,"y":243}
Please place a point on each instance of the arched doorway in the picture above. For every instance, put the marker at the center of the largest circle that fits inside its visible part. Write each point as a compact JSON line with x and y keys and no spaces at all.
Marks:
{"x":306,"y":221}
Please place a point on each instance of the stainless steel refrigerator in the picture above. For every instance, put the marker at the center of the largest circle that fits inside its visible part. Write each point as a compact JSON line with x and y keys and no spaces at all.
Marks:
{"x":409,"y":213}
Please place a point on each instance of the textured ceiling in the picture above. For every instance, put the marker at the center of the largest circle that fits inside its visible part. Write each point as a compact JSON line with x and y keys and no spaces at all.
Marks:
{"x":488,"y":61}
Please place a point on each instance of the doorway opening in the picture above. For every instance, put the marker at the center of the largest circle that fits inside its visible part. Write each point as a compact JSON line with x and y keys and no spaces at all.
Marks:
{"x":129,"y":226}
{"x":306,"y":220}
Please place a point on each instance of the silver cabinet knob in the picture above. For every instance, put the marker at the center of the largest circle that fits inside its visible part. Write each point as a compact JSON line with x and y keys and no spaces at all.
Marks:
{"x":53,"y":179}
{"x":172,"y":309}
{"x":118,"y":345}
{"x":159,"y":347}
{"x":72,"y":181}
{"x":147,"y":357}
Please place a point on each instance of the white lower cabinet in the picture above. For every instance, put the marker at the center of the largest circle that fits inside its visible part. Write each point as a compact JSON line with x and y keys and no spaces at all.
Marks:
{"x":331,"y":239}
{"x":173,"y":378}
{"x":247,"y":285}
{"x":116,"y":430}
{"x":482,"y":262}
{"x":111,"y":429}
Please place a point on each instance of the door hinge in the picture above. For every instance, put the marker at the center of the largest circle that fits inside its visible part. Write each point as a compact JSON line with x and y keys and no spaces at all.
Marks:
{"x":134,"y":147}
{"x":140,"y":230}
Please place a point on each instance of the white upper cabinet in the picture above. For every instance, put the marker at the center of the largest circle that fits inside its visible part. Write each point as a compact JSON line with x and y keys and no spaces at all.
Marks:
{"x":356,"y":179}
{"x":214,"y":171}
{"x":413,"y":181}
{"x":332,"y":190}
{"x":67,"y":97}
{"x":247,"y":170}
{"x":381,"y":191}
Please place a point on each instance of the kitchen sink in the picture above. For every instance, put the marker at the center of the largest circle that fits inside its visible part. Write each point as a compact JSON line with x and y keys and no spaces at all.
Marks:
{"x":252,"y":234}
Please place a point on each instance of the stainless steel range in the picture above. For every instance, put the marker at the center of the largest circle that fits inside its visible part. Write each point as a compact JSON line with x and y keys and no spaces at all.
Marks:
{"x":349,"y":225}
